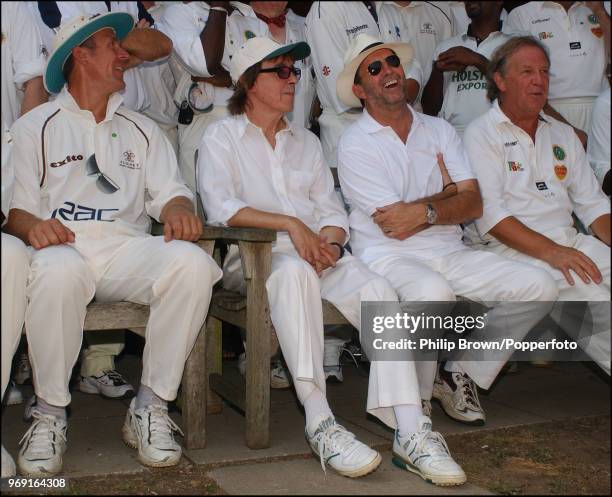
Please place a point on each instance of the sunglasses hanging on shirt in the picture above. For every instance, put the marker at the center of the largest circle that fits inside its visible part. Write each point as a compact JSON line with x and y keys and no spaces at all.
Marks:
{"x":103,"y":182}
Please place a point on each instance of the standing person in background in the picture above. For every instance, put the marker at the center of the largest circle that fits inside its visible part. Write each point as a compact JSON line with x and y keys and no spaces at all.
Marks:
{"x":205,"y":36}
{"x":457,"y":88}
{"x":598,"y":148}
{"x":577,"y":35}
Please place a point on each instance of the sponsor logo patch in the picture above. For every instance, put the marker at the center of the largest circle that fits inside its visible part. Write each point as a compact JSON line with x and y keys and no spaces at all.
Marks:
{"x":558,"y":152}
{"x":128,"y":160}
{"x":356,"y":29}
{"x":248,"y":34}
{"x":560,"y":171}
{"x":593,"y":19}
{"x":515,"y":166}
{"x":326,"y":71}
{"x":545,"y":35}
{"x":541,"y":185}
{"x":538,"y":21}
{"x":511,"y":144}
{"x":428,"y":29}
{"x":67,"y":160}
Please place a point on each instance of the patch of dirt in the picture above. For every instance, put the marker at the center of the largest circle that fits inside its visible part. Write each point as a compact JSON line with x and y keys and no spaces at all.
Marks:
{"x":554,"y":458}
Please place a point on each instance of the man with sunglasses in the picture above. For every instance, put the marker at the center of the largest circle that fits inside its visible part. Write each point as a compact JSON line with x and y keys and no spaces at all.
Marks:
{"x":406,"y":203}
{"x":257,"y":169}
{"x":89,"y":173}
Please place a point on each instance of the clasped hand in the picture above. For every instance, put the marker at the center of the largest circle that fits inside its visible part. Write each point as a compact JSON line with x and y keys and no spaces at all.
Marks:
{"x":314,"y":249}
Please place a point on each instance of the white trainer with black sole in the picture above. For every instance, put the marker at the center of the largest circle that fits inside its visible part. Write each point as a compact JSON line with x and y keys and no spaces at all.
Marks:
{"x":151,"y":431}
{"x":339,"y":448}
{"x":459,"y":401}
{"x":426,"y":454}
{"x":109,"y":384}
{"x":43,"y":446}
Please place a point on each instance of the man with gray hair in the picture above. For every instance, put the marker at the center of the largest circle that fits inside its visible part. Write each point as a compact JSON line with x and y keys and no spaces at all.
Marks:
{"x":534,"y":174}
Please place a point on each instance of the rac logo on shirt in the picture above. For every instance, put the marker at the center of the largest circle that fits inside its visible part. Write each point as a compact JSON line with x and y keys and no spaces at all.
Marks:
{"x":69,"y":158}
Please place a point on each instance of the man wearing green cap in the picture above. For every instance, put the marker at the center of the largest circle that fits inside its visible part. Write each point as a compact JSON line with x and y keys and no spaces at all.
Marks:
{"x":89,"y":173}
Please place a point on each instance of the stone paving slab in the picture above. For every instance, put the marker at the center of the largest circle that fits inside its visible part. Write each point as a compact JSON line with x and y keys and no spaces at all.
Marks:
{"x":305,"y":477}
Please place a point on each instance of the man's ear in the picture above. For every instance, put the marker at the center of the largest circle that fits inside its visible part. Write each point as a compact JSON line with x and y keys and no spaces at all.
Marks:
{"x":359,"y":92}
{"x":499,"y":81}
{"x":79,"y":54}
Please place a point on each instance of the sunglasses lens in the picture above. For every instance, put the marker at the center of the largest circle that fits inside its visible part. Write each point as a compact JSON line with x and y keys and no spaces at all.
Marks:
{"x":91,"y":166}
{"x":106,"y":185}
{"x":393,"y":60}
{"x":283,"y":72}
{"x":375,"y":67}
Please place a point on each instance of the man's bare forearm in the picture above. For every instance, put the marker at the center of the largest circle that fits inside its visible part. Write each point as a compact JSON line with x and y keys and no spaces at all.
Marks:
{"x":248,"y":217}
{"x":147,"y":44}
{"x":20,"y":223}
{"x":213,"y":37}
{"x":511,"y":232}
{"x":34,"y":94}
{"x":601,"y":228}
{"x":181,"y":202}
{"x":460,"y":208}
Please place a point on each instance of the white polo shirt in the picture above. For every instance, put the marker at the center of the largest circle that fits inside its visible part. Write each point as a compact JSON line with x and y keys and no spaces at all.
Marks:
{"x":51,"y":145}
{"x":23,"y":56}
{"x":238,"y":168}
{"x":465,"y":92}
{"x":598,"y":147}
{"x":183,"y":23}
{"x":424,"y":25}
{"x":377,"y":169}
{"x":575,"y":42}
{"x":8,"y":175}
{"x":459,"y":17}
{"x":539,"y":184}
{"x":330,"y":28}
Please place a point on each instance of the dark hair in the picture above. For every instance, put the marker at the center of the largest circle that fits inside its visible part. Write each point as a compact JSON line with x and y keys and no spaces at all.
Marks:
{"x":236,"y":104}
{"x":357,"y":81}
{"x":499,"y":60}
{"x":69,"y":64}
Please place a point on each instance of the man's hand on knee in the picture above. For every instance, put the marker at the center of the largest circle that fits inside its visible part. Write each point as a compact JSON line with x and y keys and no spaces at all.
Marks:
{"x":49,"y":232}
{"x":180,"y":221}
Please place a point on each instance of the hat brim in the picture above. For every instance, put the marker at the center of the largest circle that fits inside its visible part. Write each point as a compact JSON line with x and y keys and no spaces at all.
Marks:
{"x":297,"y":51}
{"x":344,"y":83}
{"x":121,"y":22}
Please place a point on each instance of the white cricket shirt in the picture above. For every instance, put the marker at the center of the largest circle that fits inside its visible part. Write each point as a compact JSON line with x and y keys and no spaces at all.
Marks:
{"x":598,"y":147}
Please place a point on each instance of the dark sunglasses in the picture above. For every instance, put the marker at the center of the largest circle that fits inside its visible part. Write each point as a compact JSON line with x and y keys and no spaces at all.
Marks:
{"x":283,"y":72}
{"x":375,"y":67}
{"x":104,"y":183}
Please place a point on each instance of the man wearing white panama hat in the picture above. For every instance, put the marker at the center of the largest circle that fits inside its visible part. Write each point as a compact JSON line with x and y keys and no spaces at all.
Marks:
{"x":257,"y":169}
{"x":406,"y":203}
{"x":89,"y":173}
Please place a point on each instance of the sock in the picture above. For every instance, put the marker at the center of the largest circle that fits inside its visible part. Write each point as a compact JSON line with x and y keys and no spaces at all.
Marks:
{"x":43,"y":407}
{"x":147,"y":397}
{"x":315,"y":406}
{"x":407,"y":416}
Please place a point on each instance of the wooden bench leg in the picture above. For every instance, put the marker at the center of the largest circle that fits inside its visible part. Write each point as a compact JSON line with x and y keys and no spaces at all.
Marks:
{"x":256,"y":259}
{"x":194,"y":394}
{"x":214,"y":357}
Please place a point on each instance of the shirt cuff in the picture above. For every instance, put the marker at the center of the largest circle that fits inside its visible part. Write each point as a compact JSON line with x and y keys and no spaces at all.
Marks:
{"x":491,"y":219}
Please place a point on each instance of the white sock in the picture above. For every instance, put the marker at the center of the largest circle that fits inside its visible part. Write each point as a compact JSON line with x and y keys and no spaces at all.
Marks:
{"x":43,"y":407}
{"x":407,"y":416}
{"x":147,"y":397}
{"x":316,"y":406}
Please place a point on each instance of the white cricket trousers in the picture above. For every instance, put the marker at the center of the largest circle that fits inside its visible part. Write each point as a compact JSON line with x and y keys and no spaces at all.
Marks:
{"x":175,"y":278}
{"x":294,"y":295}
{"x":15,"y":271}
{"x":189,"y":138}
{"x":576,"y":110}
{"x":597,"y":345}
{"x":481,"y":277}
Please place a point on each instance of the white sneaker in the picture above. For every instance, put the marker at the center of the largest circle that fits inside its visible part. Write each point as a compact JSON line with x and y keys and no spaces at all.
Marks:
{"x":426,"y":454}
{"x":13,"y":395}
{"x":8,"y":465}
{"x":23,"y":369}
{"x":279,"y":376}
{"x":42,"y":446}
{"x":459,"y":400}
{"x":332,"y":350}
{"x":426,"y":407}
{"x":150,"y":430}
{"x":338,"y":447}
{"x":108,"y":384}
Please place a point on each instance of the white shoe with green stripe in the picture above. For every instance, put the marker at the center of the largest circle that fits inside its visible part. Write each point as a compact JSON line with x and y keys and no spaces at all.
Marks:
{"x":425,"y":453}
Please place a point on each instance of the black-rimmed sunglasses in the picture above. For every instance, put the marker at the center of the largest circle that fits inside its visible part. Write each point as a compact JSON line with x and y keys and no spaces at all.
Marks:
{"x":283,"y":72}
{"x":103,"y":182}
{"x":375,"y":67}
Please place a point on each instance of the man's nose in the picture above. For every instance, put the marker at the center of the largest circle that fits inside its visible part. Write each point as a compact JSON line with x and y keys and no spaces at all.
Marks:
{"x":122,"y":53}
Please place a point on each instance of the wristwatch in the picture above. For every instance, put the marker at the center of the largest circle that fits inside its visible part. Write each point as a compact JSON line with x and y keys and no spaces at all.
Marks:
{"x":340,"y":247}
{"x":431,"y":214}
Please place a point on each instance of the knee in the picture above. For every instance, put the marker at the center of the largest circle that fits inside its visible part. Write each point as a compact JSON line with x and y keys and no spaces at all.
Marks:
{"x":534,"y":284}
{"x":380,"y":290}
{"x":15,"y":258}
{"x":433,"y":288}
{"x":193,"y":264}
{"x":295,"y":271}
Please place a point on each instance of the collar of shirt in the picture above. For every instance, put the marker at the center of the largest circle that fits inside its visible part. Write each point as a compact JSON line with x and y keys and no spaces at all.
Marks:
{"x":243,"y":9}
{"x":244,"y":122}
{"x":371,"y":125}
{"x":67,"y":102}
{"x":500,"y":118}
{"x":558,"y":5}
{"x":409,"y":6}
{"x":468,"y":34}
